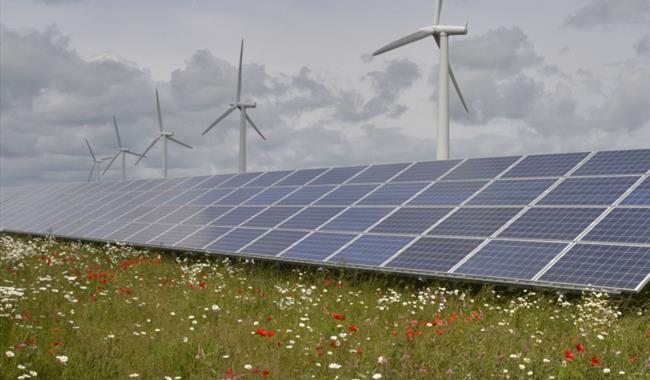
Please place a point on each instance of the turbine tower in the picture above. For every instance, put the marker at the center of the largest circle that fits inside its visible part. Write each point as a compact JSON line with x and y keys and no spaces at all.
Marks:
{"x":440,"y":34}
{"x":164,"y":136}
{"x":242,"y":106}
{"x":122,"y":151}
{"x":96,"y":163}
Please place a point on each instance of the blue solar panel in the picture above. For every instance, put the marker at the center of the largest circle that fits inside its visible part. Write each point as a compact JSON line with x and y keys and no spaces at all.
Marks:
{"x":239,"y":180}
{"x":346,"y":195}
{"x":135,"y":213}
{"x":238,"y":196}
{"x":125,"y":231}
{"x":411,"y":220}
{"x":545,"y":165}
{"x":105,"y":229}
{"x":166,"y":184}
{"x":186,"y":197}
{"x":617,"y":162}
{"x":426,"y":171}
{"x":318,"y":246}
{"x":210,"y":197}
{"x":357,"y":219}
{"x":447,"y":193}
{"x":601,"y":266}
{"x":311,"y":217}
{"x":193,"y":181}
{"x":202,"y":237}
{"x":639,"y":196}
{"x":149,"y":233}
{"x":371,"y":250}
{"x":271,"y":217}
{"x":588,"y":191}
{"x":270,"y":196}
{"x":305,"y":195}
{"x":234,"y":240}
{"x":207,"y":215}
{"x":552,"y":223}
{"x":511,"y":259}
{"x":479,"y":221}
{"x":393,"y":193}
{"x":337,"y":176}
{"x":156,"y":214}
{"x":481,"y":168}
{"x":164,"y":197}
{"x":378,"y":173}
{"x":274,"y":242}
{"x":180,"y":215}
{"x":268,"y":178}
{"x":626,"y":225}
{"x":176,"y":234}
{"x":237,"y":216}
{"x":300,"y":177}
{"x":87,"y":228}
{"x":512,"y":192}
{"x":434,"y":254}
{"x":213,"y":181}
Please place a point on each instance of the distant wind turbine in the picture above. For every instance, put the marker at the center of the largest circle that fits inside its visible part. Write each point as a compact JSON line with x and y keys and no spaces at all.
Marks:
{"x":164,"y":136}
{"x":440,"y":34}
{"x":122,"y":151}
{"x":96,"y":163}
{"x":238,"y":104}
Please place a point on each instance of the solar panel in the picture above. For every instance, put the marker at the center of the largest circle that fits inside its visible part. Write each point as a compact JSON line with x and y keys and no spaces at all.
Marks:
{"x":237,"y":216}
{"x":156,"y":214}
{"x":356,"y":219}
{"x":213,"y":181}
{"x":639,"y":196}
{"x":274,"y":242}
{"x":545,"y":165}
{"x":627,"y":225}
{"x":306,"y":195}
{"x":270,"y":196}
{"x":345,"y":195}
{"x":210,"y":197}
{"x":411,"y":220}
{"x":426,"y":171}
{"x":311,"y":218}
{"x":370,"y":250}
{"x":393,"y":193}
{"x":176,"y":234}
{"x":447,"y":193}
{"x":552,"y":223}
{"x":479,"y":221}
{"x":512,"y":192}
{"x":146,"y":234}
{"x":318,"y":246}
{"x":239,"y":180}
{"x":617,"y":162}
{"x":481,"y":168}
{"x":238,"y":196}
{"x":268,"y":179}
{"x":378,"y":173}
{"x":337,"y":176}
{"x":434,"y":254}
{"x":588,"y":191}
{"x":180,"y":215}
{"x":234,"y":240}
{"x":202,"y":237}
{"x":271,"y":217}
{"x":300,"y":177}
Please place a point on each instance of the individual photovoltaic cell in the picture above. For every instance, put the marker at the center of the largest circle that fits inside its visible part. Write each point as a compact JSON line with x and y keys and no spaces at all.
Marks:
{"x":193,"y":181}
{"x":479,"y":221}
{"x":268,"y":178}
{"x":213,"y":181}
{"x":317,"y":246}
{"x":588,"y":191}
{"x":164,"y":197}
{"x":271,"y":217}
{"x":596,"y":266}
{"x":481,"y":168}
{"x":311,"y":217}
{"x":270,"y":196}
{"x":180,"y":215}
{"x":116,"y":212}
{"x":176,"y":234}
{"x":426,"y":171}
{"x":238,"y":196}
{"x":639,"y":196}
{"x":357,"y":219}
{"x":237,"y":216}
{"x":378,"y":173}
{"x":147,"y":234}
{"x":545,"y":165}
{"x":157,"y":214}
{"x":274,"y":242}
{"x":512,"y":192}
{"x":300,"y":177}
{"x":167,"y":184}
{"x":346,"y":195}
{"x":306,"y":195}
{"x":210,"y":197}
{"x":447,"y":193}
{"x":121,"y":234}
{"x":337,"y":176}
{"x":234,"y":240}
{"x":207,"y":215}
{"x":627,"y":225}
{"x":552,"y":223}
{"x":434,"y":254}
{"x":186,"y":197}
{"x":617,"y":162}
{"x":370,"y":250}
{"x":520,"y":260}
{"x":411,"y":220}
{"x":202,"y":237}
{"x":135,"y":213}
{"x":393,"y":193}
{"x":239,"y":180}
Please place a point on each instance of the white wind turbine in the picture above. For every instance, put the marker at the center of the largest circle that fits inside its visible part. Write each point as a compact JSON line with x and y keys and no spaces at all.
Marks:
{"x":164,"y":136}
{"x":122,"y":151}
{"x":96,"y":163}
{"x":440,"y":34}
{"x":238,"y":104}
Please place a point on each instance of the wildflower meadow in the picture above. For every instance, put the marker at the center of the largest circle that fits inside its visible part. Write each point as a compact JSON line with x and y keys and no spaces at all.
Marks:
{"x":72,"y":310}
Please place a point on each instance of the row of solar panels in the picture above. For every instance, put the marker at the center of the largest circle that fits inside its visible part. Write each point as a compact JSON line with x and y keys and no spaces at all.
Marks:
{"x":575,"y":220}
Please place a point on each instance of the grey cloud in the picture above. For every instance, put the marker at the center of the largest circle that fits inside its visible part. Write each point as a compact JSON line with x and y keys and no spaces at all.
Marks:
{"x":643,"y":46}
{"x":610,"y":12}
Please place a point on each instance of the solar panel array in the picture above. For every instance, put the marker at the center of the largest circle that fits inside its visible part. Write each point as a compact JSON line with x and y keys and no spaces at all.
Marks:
{"x":577,"y":220}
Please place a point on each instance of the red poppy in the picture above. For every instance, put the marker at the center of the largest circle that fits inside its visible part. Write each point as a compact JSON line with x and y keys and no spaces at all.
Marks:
{"x":265,"y":372}
{"x":440,"y":331}
{"x":595,"y":362}
{"x":270,"y":333}
{"x":580,"y":347}
{"x":269,"y":318}
{"x":327,"y":282}
{"x":56,"y":343}
{"x":353,"y":328}
{"x":647,"y":335}
{"x":568,"y":355}
{"x":338,"y":317}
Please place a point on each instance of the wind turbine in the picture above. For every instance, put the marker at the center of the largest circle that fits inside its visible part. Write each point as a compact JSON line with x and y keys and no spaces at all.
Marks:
{"x":122,"y":151}
{"x":440,"y":34}
{"x":164,"y":136}
{"x":96,"y":163}
{"x":238,"y":104}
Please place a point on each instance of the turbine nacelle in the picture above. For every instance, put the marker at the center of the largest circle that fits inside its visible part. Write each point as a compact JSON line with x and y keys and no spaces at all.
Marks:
{"x":450,"y":30}
{"x":243,"y":105}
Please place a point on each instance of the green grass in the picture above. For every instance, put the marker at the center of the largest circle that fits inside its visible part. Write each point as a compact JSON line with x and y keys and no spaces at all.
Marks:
{"x":115,"y":311}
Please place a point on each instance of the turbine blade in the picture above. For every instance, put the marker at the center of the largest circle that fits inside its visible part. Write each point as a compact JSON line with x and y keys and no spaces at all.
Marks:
{"x":149,"y":147}
{"x":117,"y":132}
{"x":420,"y":34}
{"x":255,"y":127}
{"x":453,"y":78}
{"x":90,"y":150}
{"x":111,"y":163}
{"x":241,"y":55}
{"x":436,"y":18}
{"x":160,"y":124}
{"x":223,"y":116}
{"x":179,"y":142}
{"x":92,"y":170}
{"x":132,"y":153}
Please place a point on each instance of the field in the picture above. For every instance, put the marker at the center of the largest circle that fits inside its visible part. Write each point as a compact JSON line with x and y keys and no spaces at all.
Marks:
{"x":72,"y":310}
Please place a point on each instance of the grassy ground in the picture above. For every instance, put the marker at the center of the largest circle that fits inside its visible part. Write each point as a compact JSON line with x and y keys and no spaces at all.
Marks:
{"x":84,"y":311}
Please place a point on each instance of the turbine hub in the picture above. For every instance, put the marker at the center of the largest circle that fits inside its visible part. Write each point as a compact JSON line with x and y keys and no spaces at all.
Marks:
{"x":163,"y":133}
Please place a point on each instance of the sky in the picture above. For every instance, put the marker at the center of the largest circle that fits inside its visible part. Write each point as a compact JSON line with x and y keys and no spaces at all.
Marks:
{"x":538,"y":77}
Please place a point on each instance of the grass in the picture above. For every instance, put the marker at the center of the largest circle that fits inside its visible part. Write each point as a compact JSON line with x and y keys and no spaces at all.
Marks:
{"x":90,"y":311}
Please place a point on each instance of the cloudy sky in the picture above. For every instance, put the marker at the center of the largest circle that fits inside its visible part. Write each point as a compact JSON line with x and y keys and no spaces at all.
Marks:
{"x":539,"y":77}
